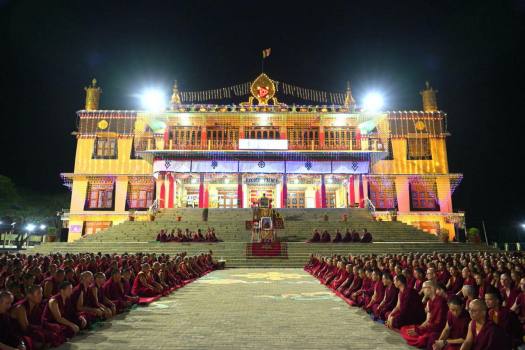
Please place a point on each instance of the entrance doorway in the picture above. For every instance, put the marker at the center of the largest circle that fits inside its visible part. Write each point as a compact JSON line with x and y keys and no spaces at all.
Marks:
{"x":256,"y":192}
{"x":330,"y":199}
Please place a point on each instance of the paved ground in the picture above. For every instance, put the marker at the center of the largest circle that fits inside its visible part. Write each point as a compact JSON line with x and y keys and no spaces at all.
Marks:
{"x":244,"y":309}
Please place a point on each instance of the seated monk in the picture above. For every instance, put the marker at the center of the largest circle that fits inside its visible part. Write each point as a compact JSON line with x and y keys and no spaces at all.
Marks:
{"x":316,"y":237}
{"x":378,"y":292}
{"x":214,"y":236}
{"x":126,"y":286}
{"x":503,"y":316}
{"x":356,"y":283}
{"x":325,"y":238}
{"x":348,"y":236}
{"x":367,"y":237}
{"x":389,"y":301}
{"x":61,"y":313}
{"x":482,"y":333}
{"x":455,"y":331}
{"x":28,"y":313}
{"x":79,"y":299}
{"x":509,"y":293}
{"x":355,"y":236}
{"x":352,"y":272}
{"x":343,"y":275}
{"x":51,"y":283}
{"x":360,"y":296}
{"x":338,"y":238}
{"x":409,"y":309}
{"x":144,"y":285}
{"x":96,"y":298}
{"x":424,"y":334}
{"x":114,"y":291}
{"x":8,"y":337}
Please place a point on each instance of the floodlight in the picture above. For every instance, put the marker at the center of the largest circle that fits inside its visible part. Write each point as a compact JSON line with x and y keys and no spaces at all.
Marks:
{"x":373,"y":102}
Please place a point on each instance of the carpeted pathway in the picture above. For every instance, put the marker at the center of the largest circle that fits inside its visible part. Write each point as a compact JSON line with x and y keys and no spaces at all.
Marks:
{"x":244,"y":309}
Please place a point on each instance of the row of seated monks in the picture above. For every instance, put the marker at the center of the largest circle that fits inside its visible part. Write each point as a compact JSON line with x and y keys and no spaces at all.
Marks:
{"x":46,"y":300}
{"x":436,"y":301}
{"x":187,"y":236}
{"x":349,"y":237}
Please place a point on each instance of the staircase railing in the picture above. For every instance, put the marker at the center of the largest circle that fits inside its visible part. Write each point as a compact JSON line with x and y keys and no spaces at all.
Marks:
{"x":370,"y":206}
{"x":154,"y":208}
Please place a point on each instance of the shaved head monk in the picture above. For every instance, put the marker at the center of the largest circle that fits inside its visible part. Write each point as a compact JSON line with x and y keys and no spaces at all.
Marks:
{"x":456,"y":328}
{"x":144,"y":285}
{"x":483,"y":334}
{"x":8,"y":338}
{"x":28,"y":313}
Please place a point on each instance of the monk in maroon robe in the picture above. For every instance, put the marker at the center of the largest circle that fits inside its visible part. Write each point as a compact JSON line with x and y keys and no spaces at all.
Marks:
{"x":379,"y":292}
{"x":482,"y":284}
{"x":423,"y":335}
{"x":409,"y":309}
{"x":347,"y":237}
{"x":9,"y":338}
{"x":51,"y":283}
{"x":338,"y":237}
{"x":144,"y":285}
{"x":356,"y":283}
{"x":455,"y":282}
{"x":364,"y":293}
{"x":483,"y":334}
{"x":114,"y":291}
{"x":508,"y":292}
{"x":343,"y":275}
{"x":389,"y":300}
{"x":61,"y":313}
{"x":502,"y":316}
{"x":28,"y":313}
{"x":316,"y":237}
{"x":96,"y":298}
{"x":456,"y":328}
{"x":325,"y":237}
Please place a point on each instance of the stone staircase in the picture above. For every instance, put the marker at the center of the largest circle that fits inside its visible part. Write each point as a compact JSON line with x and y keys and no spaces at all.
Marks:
{"x":229,"y":224}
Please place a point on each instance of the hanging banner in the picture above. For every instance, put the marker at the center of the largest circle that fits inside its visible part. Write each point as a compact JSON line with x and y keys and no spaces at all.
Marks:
{"x":265,"y":167}
{"x":350,"y":167}
{"x":214,"y":166}
{"x":308,"y":167}
{"x":175,"y":166}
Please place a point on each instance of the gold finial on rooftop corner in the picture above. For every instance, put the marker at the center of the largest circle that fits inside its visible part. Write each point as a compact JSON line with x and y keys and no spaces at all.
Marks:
{"x":175,"y":96}
{"x":349,"y":98}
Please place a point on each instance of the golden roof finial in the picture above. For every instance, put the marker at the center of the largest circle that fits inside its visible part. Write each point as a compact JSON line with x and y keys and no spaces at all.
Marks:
{"x":175,"y":96}
{"x":92,"y":96}
{"x":349,"y":98}
{"x":429,"y":98}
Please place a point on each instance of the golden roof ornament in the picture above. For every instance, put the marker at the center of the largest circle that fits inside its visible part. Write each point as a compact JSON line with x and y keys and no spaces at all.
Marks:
{"x":175,"y":96}
{"x":263,"y":90}
{"x":429,"y":98}
{"x":92,"y":96}
{"x":349,"y":98}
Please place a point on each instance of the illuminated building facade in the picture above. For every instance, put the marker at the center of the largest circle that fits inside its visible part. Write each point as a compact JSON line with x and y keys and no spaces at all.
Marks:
{"x":227,"y":156}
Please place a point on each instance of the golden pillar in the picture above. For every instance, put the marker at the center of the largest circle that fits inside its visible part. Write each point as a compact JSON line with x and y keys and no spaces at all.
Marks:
{"x":92,"y":96}
{"x":429,"y":98}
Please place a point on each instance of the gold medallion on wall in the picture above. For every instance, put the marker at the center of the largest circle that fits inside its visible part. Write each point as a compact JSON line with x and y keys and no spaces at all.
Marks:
{"x":103,"y":124}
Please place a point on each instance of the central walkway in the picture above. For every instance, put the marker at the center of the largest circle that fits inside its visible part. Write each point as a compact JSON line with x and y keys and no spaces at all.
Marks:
{"x":244,"y":309}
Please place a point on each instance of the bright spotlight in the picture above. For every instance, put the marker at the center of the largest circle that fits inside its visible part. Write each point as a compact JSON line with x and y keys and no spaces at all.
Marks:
{"x":523,"y":226}
{"x":42,"y":227}
{"x":30,"y":227}
{"x":153,"y":100}
{"x":373,"y":102}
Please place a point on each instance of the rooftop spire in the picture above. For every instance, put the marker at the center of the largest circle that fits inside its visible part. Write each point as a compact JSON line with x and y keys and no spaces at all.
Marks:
{"x":92,"y":96}
{"x":175,"y":96}
{"x":429,"y":98}
{"x":349,"y":99}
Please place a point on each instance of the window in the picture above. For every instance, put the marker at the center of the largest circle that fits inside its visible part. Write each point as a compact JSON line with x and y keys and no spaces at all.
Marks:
{"x":140,"y":194}
{"x":423,"y":195}
{"x":100,"y":196}
{"x":418,"y":149}
{"x":105,"y":148}
{"x":382,"y":193}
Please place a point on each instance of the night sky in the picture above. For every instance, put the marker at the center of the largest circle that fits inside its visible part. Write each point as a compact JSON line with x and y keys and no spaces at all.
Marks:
{"x":471,"y":51}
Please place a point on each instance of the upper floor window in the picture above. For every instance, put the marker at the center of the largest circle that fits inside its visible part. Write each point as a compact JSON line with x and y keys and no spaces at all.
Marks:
{"x":419,"y":149}
{"x":100,"y":196}
{"x":382,"y":193}
{"x":105,"y":148}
